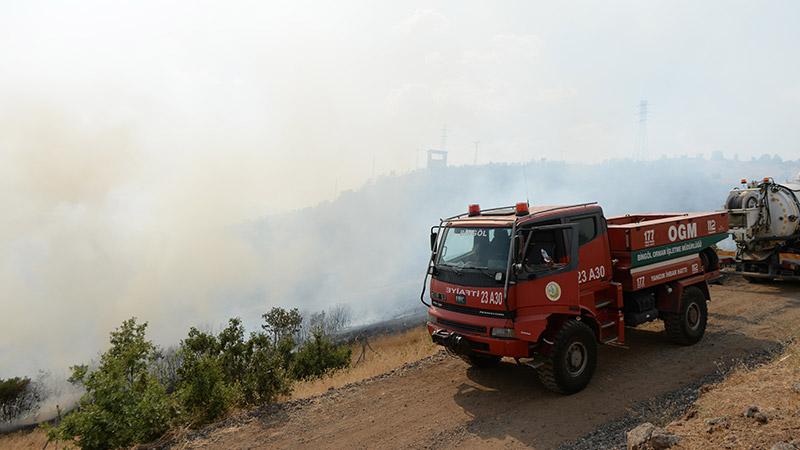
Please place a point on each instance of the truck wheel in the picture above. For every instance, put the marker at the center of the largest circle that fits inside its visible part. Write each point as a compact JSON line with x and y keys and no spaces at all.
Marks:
{"x":688,"y":326}
{"x":573,"y":359}
{"x":483,"y":361}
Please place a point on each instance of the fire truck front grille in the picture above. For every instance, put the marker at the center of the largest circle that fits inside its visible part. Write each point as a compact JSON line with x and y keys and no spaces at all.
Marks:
{"x":462,"y":326}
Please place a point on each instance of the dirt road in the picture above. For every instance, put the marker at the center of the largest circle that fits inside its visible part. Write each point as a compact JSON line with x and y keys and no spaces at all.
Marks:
{"x":443,"y":403}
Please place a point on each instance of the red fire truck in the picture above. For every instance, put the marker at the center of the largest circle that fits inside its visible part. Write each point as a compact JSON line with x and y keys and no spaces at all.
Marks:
{"x":545,"y":284}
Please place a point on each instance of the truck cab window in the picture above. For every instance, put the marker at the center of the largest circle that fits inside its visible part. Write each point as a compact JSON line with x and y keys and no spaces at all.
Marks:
{"x":587,"y":229}
{"x":545,"y":252}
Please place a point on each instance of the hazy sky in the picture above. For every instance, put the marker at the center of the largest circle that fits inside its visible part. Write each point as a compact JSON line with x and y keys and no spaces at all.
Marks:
{"x":297,"y":94}
{"x":134,"y":135}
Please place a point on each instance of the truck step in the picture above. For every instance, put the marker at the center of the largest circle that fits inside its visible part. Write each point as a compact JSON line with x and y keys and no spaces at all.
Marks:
{"x":614,"y":342}
{"x":608,"y":324}
{"x":530,"y":362}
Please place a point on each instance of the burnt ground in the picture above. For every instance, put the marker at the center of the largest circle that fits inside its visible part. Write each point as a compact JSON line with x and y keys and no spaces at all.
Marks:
{"x":441,"y":402}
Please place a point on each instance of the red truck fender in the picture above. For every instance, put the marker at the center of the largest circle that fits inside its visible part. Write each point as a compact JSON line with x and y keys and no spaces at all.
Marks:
{"x":668,"y":296}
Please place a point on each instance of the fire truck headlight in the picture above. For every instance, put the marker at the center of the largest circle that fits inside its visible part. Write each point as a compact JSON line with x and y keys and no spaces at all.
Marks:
{"x":503,"y":332}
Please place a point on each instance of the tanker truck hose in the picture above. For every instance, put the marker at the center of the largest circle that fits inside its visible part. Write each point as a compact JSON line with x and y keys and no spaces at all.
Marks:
{"x":764,"y":210}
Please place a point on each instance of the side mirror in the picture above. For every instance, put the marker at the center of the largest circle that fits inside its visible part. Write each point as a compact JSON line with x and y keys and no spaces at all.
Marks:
{"x":434,"y":236}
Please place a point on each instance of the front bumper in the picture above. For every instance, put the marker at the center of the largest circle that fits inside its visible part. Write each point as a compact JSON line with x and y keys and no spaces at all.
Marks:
{"x":465,"y":343}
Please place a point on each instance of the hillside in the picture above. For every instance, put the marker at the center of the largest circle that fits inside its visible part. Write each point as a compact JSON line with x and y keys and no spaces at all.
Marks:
{"x":369,"y":247}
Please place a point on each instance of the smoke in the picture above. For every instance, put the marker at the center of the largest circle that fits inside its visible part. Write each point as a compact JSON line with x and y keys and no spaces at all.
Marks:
{"x":89,"y":237}
{"x":185,"y":164}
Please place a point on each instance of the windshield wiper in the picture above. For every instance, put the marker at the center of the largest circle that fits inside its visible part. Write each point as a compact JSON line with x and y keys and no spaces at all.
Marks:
{"x":453,"y":267}
{"x":488,"y":272}
{"x":484,"y":270}
{"x":461,"y":268}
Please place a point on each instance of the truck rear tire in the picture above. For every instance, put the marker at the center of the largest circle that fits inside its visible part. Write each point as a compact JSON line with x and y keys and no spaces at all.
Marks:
{"x":573,"y":359}
{"x":688,"y":326}
{"x":483,"y":361}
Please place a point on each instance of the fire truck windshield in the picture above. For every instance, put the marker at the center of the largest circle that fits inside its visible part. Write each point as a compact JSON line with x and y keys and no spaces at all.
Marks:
{"x":475,"y":248}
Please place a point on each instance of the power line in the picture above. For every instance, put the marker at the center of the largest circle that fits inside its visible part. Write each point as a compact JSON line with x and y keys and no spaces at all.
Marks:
{"x":641,"y":138}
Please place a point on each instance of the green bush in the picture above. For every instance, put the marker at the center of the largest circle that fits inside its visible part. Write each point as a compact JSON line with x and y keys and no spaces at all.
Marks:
{"x":19,"y":397}
{"x":124,"y":403}
{"x":319,"y":356}
{"x":12,"y":388}
{"x":203,"y":392}
{"x":137,"y":391}
{"x":219,"y":372}
{"x":267,"y":375}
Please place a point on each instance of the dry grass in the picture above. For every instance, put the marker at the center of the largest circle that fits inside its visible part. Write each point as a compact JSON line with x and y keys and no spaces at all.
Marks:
{"x":29,"y":440}
{"x":773,"y":387}
{"x":390,"y":352}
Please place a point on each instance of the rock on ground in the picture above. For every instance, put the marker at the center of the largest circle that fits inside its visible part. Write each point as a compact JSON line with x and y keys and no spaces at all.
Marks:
{"x":783,"y":446}
{"x":647,"y":436}
{"x":661,"y":439}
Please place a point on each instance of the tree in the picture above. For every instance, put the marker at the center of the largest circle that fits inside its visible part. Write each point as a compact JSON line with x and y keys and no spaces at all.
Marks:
{"x":267,"y":374}
{"x":233,"y":350}
{"x":19,"y":397}
{"x":203,"y":390}
{"x":227,"y":370}
{"x":124,"y":403}
{"x":281,"y":323}
{"x":329,"y":322}
{"x":165,"y":367}
{"x":319,"y":356}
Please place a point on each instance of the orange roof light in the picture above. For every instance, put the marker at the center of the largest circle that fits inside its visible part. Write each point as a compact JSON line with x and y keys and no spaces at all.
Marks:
{"x":474,"y":210}
{"x":744,"y":181}
{"x":522,"y":209}
{"x":766,"y":180}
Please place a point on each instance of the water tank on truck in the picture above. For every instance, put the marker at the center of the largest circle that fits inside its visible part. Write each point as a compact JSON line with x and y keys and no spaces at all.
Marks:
{"x":765,"y":224}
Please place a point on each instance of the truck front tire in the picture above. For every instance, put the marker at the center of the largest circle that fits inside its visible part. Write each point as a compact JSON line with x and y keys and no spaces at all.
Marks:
{"x":688,"y":326}
{"x":573,"y":359}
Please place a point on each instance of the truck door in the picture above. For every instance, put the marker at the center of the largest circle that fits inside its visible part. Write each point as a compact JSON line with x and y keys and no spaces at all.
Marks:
{"x":594,"y":258}
{"x":546,"y":272}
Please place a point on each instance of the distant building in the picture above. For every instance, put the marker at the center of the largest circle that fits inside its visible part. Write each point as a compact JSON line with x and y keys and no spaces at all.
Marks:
{"x":437,"y":159}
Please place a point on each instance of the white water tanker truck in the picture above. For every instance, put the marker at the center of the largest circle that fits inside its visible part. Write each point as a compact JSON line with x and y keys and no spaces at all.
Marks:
{"x":765,"y":224}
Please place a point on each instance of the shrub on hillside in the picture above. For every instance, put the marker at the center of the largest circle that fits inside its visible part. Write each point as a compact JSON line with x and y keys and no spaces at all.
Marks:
{"x":319,"y":356}
{"x":124,"y":403}
{"x":268,"y":375}
{"x":19,"y":397}
{"x":219,"y":372}
{"x":165,"y":367}
{"x":137,"y":392}
{"x":203,"y":392}
{"x":282,"y":324}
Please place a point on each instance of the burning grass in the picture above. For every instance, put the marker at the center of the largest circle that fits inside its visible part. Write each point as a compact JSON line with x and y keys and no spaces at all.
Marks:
{"x":386,"y":353}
